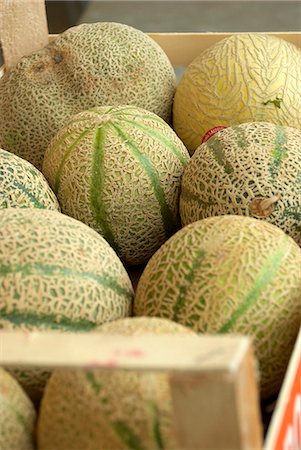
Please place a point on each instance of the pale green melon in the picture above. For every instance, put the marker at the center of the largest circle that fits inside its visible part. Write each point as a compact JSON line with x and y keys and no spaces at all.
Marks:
{"x":18,"y":416}
{"x":246,"y":77}
{"x":252,"y":169}
{"x":22,"y":185}
{"x":110,"y":410}
{"x":88,"y":65}
{"x":119,"y":171}
{"x":57,"y":274}
{"x":230,"y":274}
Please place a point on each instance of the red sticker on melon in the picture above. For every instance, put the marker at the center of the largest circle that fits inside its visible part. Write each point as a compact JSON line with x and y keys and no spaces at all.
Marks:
{"x":211,"y":132}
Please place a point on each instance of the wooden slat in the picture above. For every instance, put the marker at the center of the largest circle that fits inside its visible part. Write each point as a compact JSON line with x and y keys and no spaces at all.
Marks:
{"x":23,"y":28}
{"x":223,"y":409}
{"x":182,"y":48}
{"x":210,"y":376}
{"x":53,"y":349}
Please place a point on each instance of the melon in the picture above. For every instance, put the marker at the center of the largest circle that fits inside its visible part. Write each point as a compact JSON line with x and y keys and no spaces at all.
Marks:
{"x":22,"y":185}
{"x":246,"y":77}
{"x":230,"y":274}
{"x":252,"y":169}
{"x":18,"y":416}
{"x":87,"y":65}
{"x":57,"y":274}
{"x":110,"y":410}
{"x":118,"y":169}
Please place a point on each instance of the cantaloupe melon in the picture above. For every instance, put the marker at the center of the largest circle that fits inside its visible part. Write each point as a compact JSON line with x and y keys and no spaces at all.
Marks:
{"x":99,"y":409}
{"x":88,"y":65}
{"x":119,"y":171}
{"x":22,"y":185}
{"x":57,"y":274}
{"x":230,"y":274}
{"x":18,"y":416}
{"x":252,"y":169}
{"x":246,"y":77}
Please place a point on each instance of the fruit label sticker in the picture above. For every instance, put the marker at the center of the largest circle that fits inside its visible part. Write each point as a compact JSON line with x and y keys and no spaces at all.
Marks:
{"x":285,"y":433}
{"x":211,"y":132}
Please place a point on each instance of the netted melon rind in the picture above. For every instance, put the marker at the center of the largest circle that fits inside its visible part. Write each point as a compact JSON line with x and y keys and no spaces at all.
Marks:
{"x":241,"y":165}
{"x":110,"y":410}
{"x":246,"y":77}
{"x":230,"y":274}
{"x":57,"y":274}
{"x":88,"y":65}
{"x":22,"y":185}
{"x":119,"y":169}
{"x":18,"y":416}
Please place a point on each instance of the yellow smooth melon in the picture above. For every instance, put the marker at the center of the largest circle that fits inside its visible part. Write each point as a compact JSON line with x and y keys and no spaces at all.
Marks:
{"x":110,"y":410}
{"x":230,"y":274}
{"x":89,"y":65}
{"x":18,"y":416}
{"x":247,"y":77}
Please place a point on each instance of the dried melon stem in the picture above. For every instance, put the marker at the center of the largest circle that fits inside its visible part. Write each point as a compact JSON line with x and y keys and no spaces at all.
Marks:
{"x":263,"y":207}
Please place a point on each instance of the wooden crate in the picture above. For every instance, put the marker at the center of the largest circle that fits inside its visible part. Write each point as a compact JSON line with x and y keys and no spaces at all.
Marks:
{"x":213,"y":378}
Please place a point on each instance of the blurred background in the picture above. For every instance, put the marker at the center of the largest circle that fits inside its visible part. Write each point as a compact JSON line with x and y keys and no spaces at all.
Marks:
{"x":179,"y":16}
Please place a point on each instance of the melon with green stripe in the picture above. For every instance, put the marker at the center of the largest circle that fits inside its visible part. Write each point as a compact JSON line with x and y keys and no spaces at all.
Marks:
{"x":253,"y":169}
{"x":118,"y":169}
{"x":22,"y":185}
{"x":18,"y":416}
{"x":230,"y":274}
{"x":89,"y":409}
{"x":57,"y":274}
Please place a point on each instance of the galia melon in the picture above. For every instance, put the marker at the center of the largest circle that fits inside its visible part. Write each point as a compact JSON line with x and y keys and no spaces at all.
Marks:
{"x":252,"y":169}
{"x":230,"y":274}
{"x":18,"y":416}
{"x":57,"y":274}
{"x":88,"y":65}
{"x":22,"y":185}
{"x":246,"y":77}
{"x":100,"y":409}
{"x":119,"y":171}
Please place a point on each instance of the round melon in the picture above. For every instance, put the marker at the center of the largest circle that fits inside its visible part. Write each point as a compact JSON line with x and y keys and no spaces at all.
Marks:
{"x":18,"y":416}
{"x":88,"y":65}
{"x":252,"y":169}
{"x":119,"y":171}
{"x":246,"y":77}
{"x":230,"y":274}
{"x":22,"y":185}
{"x":57,"y":274}
{"x":110,"y":409}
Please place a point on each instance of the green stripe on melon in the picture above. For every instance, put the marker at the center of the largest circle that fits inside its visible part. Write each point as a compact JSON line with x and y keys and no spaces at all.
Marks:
{"x":251,"y":169}
{"x":22,"y":185}
{"x":230,"y":274}
{"x":98,"y":206}
{"x":110,"y":409}
{"x":118,"y":169}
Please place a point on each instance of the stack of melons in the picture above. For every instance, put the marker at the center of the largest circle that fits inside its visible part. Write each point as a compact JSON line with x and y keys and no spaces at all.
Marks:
{"x":85,"y":127}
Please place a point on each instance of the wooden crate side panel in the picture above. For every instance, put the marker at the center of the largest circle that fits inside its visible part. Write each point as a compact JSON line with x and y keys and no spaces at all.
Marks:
{"x":71,"y":350}
{"x":219,"y":411}
{"x":182,"y":48}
